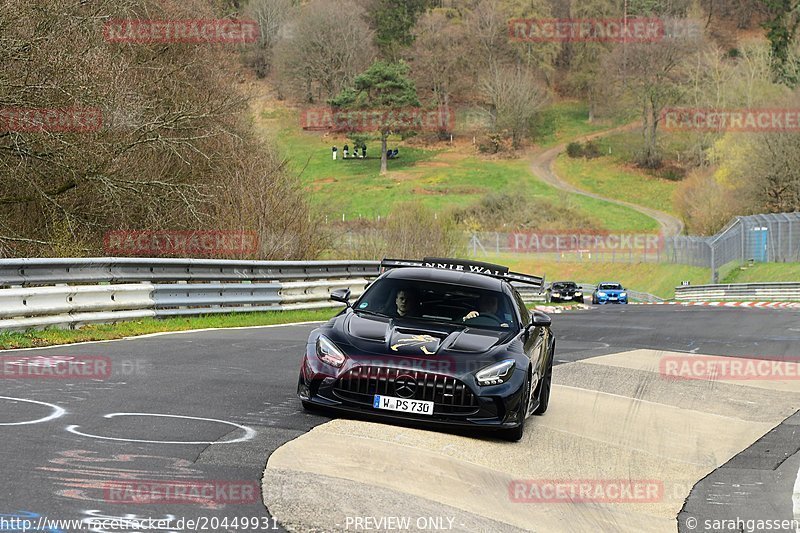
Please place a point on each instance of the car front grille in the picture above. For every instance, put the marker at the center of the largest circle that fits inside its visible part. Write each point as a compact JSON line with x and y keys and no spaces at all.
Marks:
{"x":449,"y":395}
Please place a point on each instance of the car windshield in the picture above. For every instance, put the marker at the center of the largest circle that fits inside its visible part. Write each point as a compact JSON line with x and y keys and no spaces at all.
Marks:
{"x":564,"y":285}
{"x":438,"y":302}
{"x":611,"y":287}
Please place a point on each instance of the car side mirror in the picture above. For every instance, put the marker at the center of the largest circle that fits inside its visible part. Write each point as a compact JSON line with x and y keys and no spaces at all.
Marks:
{"x":341,"y":295}
{"x":539,"y":319}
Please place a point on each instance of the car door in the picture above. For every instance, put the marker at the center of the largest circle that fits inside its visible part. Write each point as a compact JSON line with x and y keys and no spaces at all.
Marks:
{"x":535,"y":342}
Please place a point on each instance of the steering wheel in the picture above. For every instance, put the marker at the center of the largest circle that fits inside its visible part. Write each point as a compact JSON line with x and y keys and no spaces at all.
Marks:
{"x":486,"y":319}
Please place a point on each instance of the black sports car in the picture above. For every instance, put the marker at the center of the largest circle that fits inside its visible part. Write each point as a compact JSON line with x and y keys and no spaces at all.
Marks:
{"x":441,"y":341}
{"x":561,"y":291}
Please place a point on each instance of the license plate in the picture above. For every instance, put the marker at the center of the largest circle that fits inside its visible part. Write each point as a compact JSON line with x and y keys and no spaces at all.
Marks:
{"x":391,"y":403}
{"x":612,"y":298}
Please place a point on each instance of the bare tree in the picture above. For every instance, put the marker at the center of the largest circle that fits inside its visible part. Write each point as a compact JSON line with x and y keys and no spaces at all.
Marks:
{"x":174,"y":124}
{"x":322,"y":49}
{"x":768,"y":171}
{"x":652,"y":76}
{"x":718,"y":82}
{"x":438,"y":72}
{"x":705,"y":204}
{"x":583,"y":59}
{"x":513,"y":96}
{"x":752,"y":172}
{"x":262,"y":196}
{"x":487,"y":24}
{"x":271,"y":15}
{"x":492,"y":45}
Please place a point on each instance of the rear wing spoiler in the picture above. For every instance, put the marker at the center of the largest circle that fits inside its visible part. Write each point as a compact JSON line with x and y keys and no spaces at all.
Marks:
{"x":461,"y":265}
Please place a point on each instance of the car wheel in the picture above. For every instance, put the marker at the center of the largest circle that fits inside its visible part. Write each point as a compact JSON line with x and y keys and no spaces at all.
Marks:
{"x":515,"y":434}
{"x":544,"y":391}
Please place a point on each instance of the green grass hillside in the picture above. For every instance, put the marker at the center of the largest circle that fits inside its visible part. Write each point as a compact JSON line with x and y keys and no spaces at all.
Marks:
{"x":605,"y":176}
{"x":568,"y":119}
{"x":442,"y":178}
{"x":764,"y":272}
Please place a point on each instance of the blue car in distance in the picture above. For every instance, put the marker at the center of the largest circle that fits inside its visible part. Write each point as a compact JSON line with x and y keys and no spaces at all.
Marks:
{"x":608,"y":292}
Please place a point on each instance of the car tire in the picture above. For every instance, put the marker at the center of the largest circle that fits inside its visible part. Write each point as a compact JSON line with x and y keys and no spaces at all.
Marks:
{"x":546,"y":385}
{"x":515,"y":434}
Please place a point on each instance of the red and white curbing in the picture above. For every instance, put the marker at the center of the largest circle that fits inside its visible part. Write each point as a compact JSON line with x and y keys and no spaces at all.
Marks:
{"x":765,"y":305}
{"x":555,"y":309}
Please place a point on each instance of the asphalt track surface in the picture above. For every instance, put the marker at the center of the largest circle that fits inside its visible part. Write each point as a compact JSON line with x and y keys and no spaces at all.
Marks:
{"x":721,"y":449}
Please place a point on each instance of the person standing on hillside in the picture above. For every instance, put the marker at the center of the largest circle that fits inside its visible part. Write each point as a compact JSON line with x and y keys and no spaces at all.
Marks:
{"x":346,"y":150}
{"x":333,"y":151}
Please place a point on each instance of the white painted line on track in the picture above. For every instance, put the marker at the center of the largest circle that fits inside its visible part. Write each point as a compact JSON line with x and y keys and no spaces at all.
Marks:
{"x":249,"y":432}
{"x":57,"y":412}
{"x":162,"y":333}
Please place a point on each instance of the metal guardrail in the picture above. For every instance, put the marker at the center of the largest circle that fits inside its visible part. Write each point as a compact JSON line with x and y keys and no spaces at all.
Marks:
{"x":529,"y":294}
{"x":779,"y":291}
{"x":73,"y":292}
{"x":28,"y":272}
{"x":37,"y":293}
{"x":207,"y":298}
{"x":636,"y":296}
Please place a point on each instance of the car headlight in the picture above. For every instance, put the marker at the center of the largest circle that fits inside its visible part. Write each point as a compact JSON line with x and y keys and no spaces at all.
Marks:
{"x":496,"y":374}
{"x":623,"y":295}
{"x":329,"y":353}
{"x":601,"y":293}
{"x":578,"y":293}
{"x":556,"y":294}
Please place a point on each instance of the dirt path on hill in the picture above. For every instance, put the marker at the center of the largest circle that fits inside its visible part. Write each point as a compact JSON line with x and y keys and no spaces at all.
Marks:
{"x":542,"y":167}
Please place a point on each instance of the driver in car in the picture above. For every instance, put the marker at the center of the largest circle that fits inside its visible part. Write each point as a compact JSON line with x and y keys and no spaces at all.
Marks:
{"x":407,"y":303}
{"x":487,"y":306}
